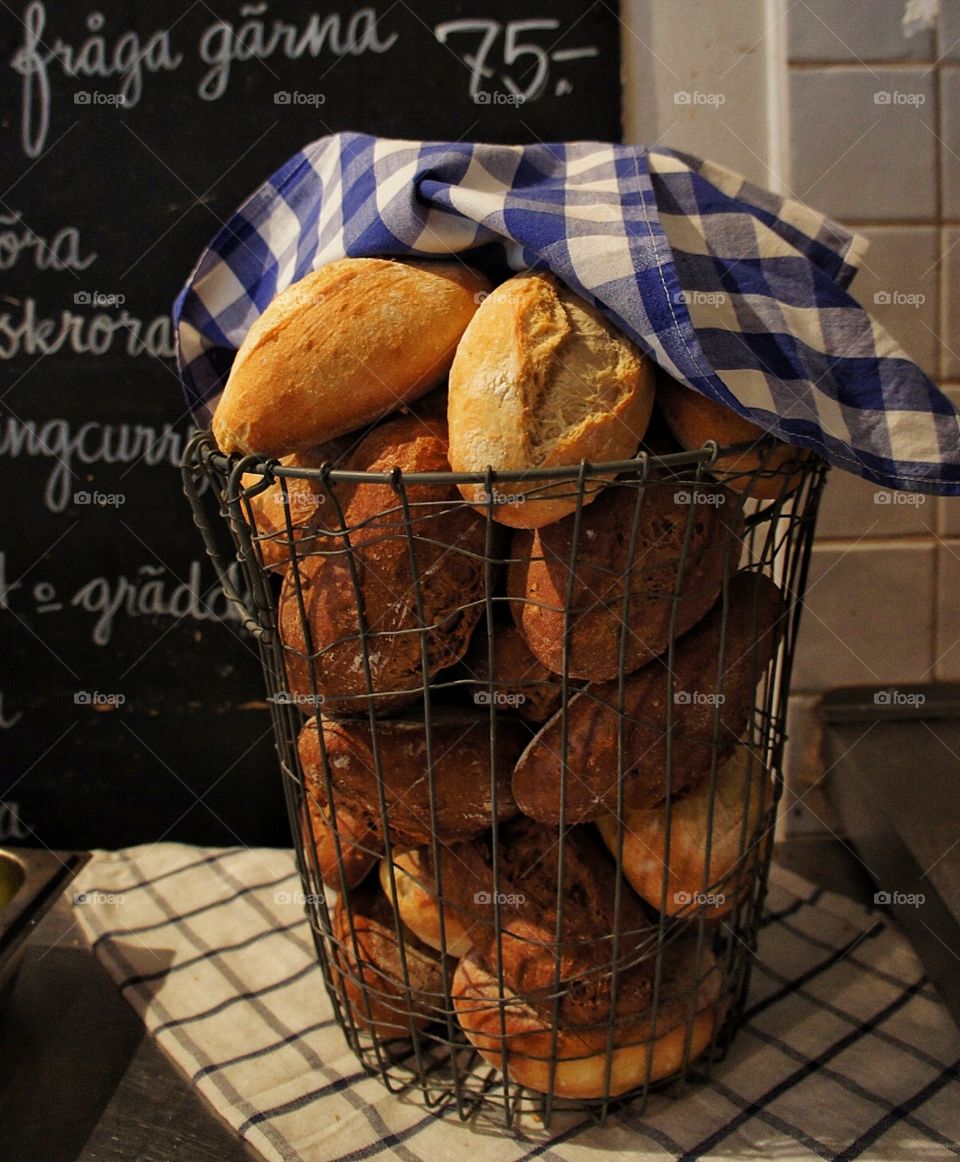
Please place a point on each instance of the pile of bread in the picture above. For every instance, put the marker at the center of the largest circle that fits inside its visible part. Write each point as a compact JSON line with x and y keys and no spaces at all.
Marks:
{"x":492,"y":667}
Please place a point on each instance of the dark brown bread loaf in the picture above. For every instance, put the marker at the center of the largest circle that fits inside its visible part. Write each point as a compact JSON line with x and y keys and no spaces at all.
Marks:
{"x":648,"y":1042}
{"x":698,"y":525}
{"x":701,"y":675}
{"x":306,"y":501}
{"x":367,"y":967}
{"x":522,"y":683}
{"x":534,"y":954}
{"x":461,"y":772}
{"x":448,"y":546}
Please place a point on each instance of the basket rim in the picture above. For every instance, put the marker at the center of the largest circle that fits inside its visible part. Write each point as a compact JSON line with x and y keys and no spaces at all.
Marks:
{"x":203,"y":445}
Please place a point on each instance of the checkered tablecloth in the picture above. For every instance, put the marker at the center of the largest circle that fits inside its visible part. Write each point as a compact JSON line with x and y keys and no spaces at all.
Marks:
{"x":846,"y":1051}
{"x":736,"y":291}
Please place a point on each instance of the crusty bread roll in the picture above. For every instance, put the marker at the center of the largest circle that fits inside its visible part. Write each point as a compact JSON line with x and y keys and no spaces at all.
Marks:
{"x":368,"y":975}
{"x":541,"y":379}
{"x":687,"y":1010}
{"x":538,"y":947}
{"x":701,"y":677}
{"x":352,"y":848}
{"x":323,"y":642}
{"x":417,"y":904}
{"x":304,"y":500}
{"x":698,"y":525}
{"x":342,"y":347}
{"x":765,"y":473}
{"x":522,"y":683}
{"x":743,"y":792}
{"x":461,"y":772}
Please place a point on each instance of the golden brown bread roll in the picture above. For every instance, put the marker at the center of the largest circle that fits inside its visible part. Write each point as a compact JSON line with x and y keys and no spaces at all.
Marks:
{"x":416,"y":903}
{"x":687,"y":1010}
{"x":699,"y":525}
{"x":450,"y":541}
{"x":367,"y":968}
{"x":694,"y":420}
{"x":461,"y":772}
{"x":342,"y":347}
{"x":352,"y":847}
{"x":304,"y":500}
{"x":594,"y":723}
{"x":743,"y":793}
{"x":540,"y":379}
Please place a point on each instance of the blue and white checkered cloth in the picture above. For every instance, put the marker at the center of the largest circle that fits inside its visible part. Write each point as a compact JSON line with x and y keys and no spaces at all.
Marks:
{"x":736,"y":291}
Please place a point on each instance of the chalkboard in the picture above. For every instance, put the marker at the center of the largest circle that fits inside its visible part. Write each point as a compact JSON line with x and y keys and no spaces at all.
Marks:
{"x":131,"y":703}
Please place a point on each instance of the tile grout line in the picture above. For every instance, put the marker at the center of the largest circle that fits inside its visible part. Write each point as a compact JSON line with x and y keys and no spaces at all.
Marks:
{"x":941,"y":309}
{"x":852,"y":64}
{"x":777,"y":70}
{"x":897,"y":540}
{"x":930,"y":223}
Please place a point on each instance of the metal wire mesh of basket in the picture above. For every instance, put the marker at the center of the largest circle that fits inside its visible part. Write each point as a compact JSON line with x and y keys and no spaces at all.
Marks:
{"x":532,"y":775}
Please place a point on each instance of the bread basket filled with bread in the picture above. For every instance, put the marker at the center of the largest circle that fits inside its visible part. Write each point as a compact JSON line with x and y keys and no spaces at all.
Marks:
{"x":529,"y":718}
{"x":526,"y":589}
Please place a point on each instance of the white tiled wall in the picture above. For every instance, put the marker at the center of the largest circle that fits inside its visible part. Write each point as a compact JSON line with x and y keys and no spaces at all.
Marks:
{"x":859,"y":159}
{"x":829,"y":100}
{"x":899,"y":284}
{"x":714,"y":51}
{"x":880,"y":113}
{"x":848,"y":30}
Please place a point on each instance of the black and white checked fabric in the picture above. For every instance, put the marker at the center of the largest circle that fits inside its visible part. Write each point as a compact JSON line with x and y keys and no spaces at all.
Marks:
{"x":846,"y":1051}
{"x":740,"y":293}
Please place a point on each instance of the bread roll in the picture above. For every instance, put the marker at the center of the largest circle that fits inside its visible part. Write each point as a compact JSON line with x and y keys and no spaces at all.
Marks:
{"x":541,"y":379}
{"x":416,"y":904}
{"x":461,"y":772}
{"x":367,"y":968}
{"x":522,"y":683}
{"x":701,"y":677}
{"x":699,"y":525}
{"x":537,"y":947}
{"x":324,"y":639}
{"x":765,"y":473}
{"x":352,"y":847}
{"x":304,"y":500}
{"x":342,"y":347}
{"x":743,"y":793}
{"x":648,"y":1043}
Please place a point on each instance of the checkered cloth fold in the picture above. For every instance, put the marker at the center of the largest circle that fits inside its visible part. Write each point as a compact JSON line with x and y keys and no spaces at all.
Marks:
{"x":736,"y":291}
{"x":846,"y":1052}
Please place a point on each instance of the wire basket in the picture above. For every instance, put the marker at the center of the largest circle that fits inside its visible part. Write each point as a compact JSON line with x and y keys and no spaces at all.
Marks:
{"x":579,"y":849}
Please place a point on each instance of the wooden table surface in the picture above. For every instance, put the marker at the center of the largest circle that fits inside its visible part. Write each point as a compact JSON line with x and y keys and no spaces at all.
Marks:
{"x":79,"y":1079}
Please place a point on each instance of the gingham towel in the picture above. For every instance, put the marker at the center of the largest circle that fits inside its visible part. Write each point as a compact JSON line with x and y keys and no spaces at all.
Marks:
{"x":846,"y":1051}
{"x":738,"y":292}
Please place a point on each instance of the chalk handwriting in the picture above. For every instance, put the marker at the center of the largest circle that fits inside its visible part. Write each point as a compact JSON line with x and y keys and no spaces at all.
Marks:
{"x":127,"y":56}
{"x":11,"y":825}
{"x":153,"y":593}
{"x":90,"y":443}
{"x":8,"y":721}
{"x":97,"y":333}
{"x":60,"y":252}
{"x":224,"y":43}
